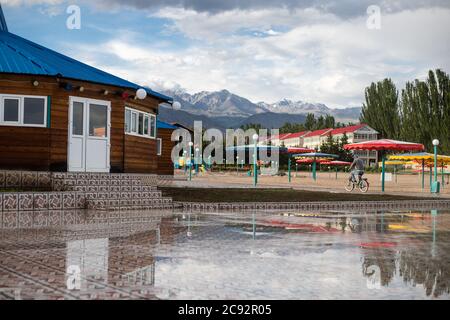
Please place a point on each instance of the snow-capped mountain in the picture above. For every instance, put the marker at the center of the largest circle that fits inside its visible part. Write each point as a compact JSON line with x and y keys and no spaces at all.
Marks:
{"x":229,"y":110}
{"x":216,"y":104}
{"x":296,"y":107}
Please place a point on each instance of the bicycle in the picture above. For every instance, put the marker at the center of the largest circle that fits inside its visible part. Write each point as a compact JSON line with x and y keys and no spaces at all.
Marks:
{"x":362,"y":184}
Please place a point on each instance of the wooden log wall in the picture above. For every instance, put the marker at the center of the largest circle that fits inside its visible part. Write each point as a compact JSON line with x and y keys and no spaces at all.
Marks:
{"x":25,"y":148}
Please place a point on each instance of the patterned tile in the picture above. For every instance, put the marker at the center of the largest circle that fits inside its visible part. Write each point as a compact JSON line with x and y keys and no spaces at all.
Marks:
{"x":125,"y":188}
{"x":10,"y":220}
{"x":40,"y":201}
{"x":126,"y":195}
{"x":116,"y":189}
{"x":94,"y":176}
{"x":2,"y":178}
{"x":44,"y":180}
{"x":54,"y":218}
{"x":55,"y":201}
{"x":103,"y":189}
{"x":12,"y":179}
{"x":40,"y":219}
{"x":92,"y":189}
{"x":80,"y":201}
{"x":69,"y":200}
{"x":10,"y":202}
{"x":103,"y":195}
{"x":80,"y":188}
{"x":114,"y":195}
{"x":29,"y":179}
{"x":25,"y":220}
{"x":25,"y":201}
{"x":81,"y":182}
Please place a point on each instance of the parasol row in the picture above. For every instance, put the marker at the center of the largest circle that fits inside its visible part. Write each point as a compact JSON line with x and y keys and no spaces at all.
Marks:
{"x":385,"y":145}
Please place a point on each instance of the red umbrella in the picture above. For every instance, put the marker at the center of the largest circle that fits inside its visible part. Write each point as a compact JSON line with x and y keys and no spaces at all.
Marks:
{"x":336,"y":163}
{"x":385,"y":145}
{"x":296,"y":150}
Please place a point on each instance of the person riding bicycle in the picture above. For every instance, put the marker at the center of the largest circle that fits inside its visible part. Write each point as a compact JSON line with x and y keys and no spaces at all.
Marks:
{"x":357,"y":169}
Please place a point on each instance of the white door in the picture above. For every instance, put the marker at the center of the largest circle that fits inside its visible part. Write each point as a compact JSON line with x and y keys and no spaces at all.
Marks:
{"x":89,"y":135}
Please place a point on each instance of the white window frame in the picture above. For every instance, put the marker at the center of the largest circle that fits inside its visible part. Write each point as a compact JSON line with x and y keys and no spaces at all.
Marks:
{"x":159,"y":144}
{"x":136,"y":124}
{"x":21,"y":99}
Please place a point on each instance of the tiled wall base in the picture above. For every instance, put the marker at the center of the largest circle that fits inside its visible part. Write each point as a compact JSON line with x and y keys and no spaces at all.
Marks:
{"x":314,"y":206}
{"x":91,"y":221}
{"x":96,"y":191}
{"x":25,"y":179}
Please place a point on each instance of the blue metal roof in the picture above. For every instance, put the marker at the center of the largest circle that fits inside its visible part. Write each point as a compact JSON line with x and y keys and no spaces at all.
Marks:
{"x":165,"y":125}
{"x":21,"y":56}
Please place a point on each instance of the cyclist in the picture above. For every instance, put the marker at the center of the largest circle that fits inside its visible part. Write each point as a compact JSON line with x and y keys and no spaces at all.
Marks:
{"x":357,"y":169}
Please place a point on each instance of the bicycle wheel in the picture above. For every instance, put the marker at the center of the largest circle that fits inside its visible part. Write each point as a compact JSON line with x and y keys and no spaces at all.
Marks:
{"x":350,"y":186}
{"x":364,"y":186}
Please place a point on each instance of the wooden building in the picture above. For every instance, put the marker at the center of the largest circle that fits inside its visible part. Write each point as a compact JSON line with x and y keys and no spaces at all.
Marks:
{"x":58,"y":114}
{"x":164,"y":148}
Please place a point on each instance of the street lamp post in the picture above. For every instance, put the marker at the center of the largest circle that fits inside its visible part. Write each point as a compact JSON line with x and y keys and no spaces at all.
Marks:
{"x":185,"y":161}
{"x":435,"y":188}
{"x":255,"y":160}
{"x":196,"y":160}
{"x":190,"y":160}
{"x":237,"y":165}
{"x":289,"y":169}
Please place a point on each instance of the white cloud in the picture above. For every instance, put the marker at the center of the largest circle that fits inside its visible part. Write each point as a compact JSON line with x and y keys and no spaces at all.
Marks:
{"x":14,"y":3}
{"x":317,"y":57}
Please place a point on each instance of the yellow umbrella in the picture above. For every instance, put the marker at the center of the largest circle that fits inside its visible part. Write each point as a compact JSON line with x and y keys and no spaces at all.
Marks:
{"x":426,"y":159}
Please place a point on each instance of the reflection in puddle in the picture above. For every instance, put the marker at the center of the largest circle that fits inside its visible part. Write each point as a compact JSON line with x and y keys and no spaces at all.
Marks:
{"x":139,"y":255}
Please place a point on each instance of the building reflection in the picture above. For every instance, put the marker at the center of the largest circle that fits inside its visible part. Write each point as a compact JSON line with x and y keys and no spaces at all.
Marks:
{"x":421,"y":258}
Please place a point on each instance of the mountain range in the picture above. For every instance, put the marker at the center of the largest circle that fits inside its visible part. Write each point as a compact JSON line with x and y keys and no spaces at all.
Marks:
{"x":223,"y":109}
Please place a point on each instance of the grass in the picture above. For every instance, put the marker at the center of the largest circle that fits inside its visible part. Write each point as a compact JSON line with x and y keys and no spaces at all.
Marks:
{"x":270,"y":195}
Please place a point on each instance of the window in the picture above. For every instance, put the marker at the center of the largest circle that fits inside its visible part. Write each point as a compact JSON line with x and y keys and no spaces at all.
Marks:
{"x":11,"y":110}
{"x":159,"y":146}
{"x":34,"y":111}
{"x":134,"y":122}
{"x":127,"y":121}
{"x":98,"y":120}
{"x":153,"y":126}
{"x":146,"y":125}
{"x":140,"y":123}
{"x":77,"y":119}
{"x":27,"y":111}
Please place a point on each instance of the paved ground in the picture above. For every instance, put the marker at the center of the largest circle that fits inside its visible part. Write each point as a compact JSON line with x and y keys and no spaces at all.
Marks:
{"x":146,"y":255}
{"x":406,"y":185}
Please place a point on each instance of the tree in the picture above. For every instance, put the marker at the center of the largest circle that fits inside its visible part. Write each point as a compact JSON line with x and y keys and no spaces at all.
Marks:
{"x":421,"y":115}
{"x":425,"y":111}
{"x":381,"y":109}
{"x":310,"y":121}
{"x":345,"y":155}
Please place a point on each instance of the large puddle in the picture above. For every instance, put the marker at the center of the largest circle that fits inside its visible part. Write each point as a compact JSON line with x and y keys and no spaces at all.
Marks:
{"x":397,"y":255}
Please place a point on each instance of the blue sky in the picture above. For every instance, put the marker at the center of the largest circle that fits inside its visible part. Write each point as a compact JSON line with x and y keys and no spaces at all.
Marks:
{"x":310,"y":50}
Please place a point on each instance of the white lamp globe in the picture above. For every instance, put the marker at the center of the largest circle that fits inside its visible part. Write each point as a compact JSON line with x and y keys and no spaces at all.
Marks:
{"x":191,"y":144}
{"x":141,"y":94}
{"x":176,"y":105}
{"x":435,"y":142}
{"x":255,"y":137}
{"x":197,"y":149}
